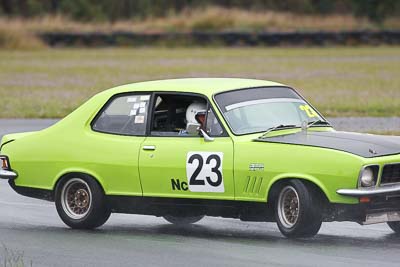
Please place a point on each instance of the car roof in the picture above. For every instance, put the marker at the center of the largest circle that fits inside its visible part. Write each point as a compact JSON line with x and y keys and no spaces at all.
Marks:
{"x":206,"y":86}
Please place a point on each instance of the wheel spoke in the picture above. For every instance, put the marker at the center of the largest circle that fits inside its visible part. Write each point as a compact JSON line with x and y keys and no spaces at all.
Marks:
{"x":288,"y":206}
{"x":76,"y":198}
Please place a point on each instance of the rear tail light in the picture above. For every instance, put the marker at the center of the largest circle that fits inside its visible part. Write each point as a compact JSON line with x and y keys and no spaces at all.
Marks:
{"x":4,"y":163}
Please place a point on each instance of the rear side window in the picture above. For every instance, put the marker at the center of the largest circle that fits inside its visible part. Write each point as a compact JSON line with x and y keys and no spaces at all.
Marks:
{"x":125,"y":115}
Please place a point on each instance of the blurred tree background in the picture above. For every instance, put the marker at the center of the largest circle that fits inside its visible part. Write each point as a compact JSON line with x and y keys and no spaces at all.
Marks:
{"x":112,"y":10}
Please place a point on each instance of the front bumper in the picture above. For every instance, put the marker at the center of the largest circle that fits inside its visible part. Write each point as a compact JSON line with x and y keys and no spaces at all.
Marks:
{"x":383,"y":204}
{"x":4,"y":174}
{"x":379,"y":209}
{"x":370,"y":192}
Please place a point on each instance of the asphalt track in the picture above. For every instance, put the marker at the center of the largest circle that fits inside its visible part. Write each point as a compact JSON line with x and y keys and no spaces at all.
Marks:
{"x":31,"y":230}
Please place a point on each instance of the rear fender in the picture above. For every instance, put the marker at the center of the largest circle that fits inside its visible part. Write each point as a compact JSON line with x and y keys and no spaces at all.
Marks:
{"x":66,"y":172}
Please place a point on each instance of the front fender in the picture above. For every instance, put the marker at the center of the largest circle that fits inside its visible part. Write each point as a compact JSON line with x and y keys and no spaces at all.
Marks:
{"x":309,"y":178}
{"x":332,"y":196}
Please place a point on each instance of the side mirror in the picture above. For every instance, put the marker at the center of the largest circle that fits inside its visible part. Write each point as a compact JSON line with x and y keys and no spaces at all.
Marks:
{"x":207,"y":138}
{"x":195,"y":129}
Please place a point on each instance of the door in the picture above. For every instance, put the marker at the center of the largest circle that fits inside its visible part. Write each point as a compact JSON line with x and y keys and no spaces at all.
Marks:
{"x":173,"y":163}
{"x":118,"y":132}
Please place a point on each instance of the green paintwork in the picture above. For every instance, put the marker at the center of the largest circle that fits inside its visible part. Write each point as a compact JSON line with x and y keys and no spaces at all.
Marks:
{"x":123,"y":168}
{"x":173,"y":165}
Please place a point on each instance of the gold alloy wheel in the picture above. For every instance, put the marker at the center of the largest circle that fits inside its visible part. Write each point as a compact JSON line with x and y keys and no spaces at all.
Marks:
{"x":288,"y":206}
{"x":76,"y":198}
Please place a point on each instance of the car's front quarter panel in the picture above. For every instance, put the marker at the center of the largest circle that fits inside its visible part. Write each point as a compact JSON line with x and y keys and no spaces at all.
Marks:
{"x":329,"y":169}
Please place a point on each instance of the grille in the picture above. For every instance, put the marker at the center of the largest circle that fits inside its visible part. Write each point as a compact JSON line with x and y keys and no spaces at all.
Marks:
{"x":391,"y":174}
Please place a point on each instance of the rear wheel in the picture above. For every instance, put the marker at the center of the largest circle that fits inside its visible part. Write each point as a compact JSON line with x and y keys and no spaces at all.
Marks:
{"x":184,"y":220}
{"x":297,"y":210}
{"x":395,"y":226}
{"x":81,"y":203}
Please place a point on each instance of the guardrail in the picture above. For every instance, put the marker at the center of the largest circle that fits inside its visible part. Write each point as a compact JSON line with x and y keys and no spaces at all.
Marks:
{"x":96,"y":39}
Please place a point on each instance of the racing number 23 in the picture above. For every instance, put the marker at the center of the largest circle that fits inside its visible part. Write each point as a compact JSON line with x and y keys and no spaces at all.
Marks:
{"x":204,"y":171}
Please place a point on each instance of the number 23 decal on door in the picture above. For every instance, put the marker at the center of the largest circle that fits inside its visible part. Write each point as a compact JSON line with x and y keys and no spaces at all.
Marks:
{"x":204,"y":172}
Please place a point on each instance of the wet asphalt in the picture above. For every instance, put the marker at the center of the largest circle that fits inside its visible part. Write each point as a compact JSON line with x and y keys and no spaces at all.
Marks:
{"x":30,"y":231}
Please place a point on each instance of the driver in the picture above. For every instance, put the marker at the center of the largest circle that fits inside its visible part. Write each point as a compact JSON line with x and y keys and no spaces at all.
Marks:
{"x":195,"y":113}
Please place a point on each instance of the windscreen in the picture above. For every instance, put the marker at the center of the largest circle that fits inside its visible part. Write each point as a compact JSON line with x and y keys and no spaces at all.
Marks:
{"x":259,"y":109}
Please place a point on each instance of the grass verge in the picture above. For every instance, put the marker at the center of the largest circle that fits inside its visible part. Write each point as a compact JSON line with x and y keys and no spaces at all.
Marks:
{"x":12,"y":258}
{"x":21,"y":33}
{"x":339,"y":81}
{"x":208,"y":19}
{"x":20,"y":39}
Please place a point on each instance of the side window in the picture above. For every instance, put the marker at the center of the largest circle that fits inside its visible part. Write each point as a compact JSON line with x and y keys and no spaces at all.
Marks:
{"x":172,"y":113}
{"x":125,"y":115}
{"x":213,"y":127}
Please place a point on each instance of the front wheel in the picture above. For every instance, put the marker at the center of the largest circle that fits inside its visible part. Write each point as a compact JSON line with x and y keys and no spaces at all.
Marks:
{"x":81,"y":203}
{"x":184,"y":220}
{"x":297,"y":210}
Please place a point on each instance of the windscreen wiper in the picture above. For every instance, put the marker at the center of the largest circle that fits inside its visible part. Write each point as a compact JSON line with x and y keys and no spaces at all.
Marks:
{"x":280,"y":126}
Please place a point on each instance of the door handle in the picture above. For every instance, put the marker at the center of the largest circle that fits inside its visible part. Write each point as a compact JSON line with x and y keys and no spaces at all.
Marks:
{"x":149,"y":148}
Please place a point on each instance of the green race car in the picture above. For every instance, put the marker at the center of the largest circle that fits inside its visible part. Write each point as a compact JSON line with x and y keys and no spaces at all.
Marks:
{"x":188,"y":148}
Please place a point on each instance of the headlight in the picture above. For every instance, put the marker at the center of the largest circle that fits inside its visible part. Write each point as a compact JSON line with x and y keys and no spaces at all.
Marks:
{"x":368,"y":176}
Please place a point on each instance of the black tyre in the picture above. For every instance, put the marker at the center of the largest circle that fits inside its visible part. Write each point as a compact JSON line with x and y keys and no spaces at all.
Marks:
{"x":298,"y":210}
{"x":183,"y":220}
{"x":81,"y":203}
{"x":395,"y":226}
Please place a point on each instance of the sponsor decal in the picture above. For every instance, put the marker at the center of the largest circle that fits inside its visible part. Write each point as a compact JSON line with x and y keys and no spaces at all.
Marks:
{"x":256,"y":167}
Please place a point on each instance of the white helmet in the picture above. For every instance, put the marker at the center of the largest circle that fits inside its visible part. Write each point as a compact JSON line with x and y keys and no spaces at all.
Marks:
{"x":192,"y":110}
